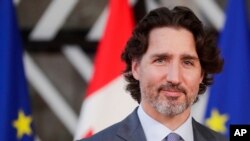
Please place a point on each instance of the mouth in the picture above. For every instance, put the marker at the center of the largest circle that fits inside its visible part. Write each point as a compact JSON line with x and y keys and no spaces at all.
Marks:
{"x":173,"y":94}
{"x":173,"y":91}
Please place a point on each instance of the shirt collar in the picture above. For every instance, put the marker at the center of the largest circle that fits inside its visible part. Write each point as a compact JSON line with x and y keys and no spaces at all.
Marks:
{"x":186,"y":130}
{"x":154,"y":130}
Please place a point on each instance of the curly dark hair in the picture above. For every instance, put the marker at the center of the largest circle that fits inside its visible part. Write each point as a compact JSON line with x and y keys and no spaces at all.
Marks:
{"x":179,"y":17}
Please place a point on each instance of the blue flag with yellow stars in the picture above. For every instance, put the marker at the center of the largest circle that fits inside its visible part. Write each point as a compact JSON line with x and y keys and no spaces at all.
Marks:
{"x":15,"y":114}
{"x":230,"y":94}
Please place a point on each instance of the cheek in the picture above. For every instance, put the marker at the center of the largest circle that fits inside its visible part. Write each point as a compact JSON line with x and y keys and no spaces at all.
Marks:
{"x":150,"y":79}
{"x":193,"y":82}
{"x":152,"y":75}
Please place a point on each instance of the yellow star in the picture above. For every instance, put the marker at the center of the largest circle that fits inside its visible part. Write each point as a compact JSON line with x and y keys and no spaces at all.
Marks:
{"x":23,"y":124}
{"x":217,"y":121}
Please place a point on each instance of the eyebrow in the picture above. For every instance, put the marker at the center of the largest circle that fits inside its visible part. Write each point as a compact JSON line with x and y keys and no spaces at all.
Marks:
{"x":190,"y":57}
{"x":166,"y":55}
{"x":160,"y":55}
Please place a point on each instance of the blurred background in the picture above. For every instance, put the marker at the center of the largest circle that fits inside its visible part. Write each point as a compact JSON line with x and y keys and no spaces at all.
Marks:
{"x":58,"y":35}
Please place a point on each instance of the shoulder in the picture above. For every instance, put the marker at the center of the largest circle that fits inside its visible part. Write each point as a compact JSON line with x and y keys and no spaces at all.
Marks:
{"x":106,"y":134}
{"x":207,"y":132}
{"x":118,"y":131}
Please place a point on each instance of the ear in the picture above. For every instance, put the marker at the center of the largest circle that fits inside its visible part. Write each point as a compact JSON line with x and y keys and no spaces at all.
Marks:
{"x":202,"y":76}
{"x":135,"y":69}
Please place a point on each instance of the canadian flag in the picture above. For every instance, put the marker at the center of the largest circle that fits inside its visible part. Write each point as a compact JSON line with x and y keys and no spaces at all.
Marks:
{"x":106,"y":101}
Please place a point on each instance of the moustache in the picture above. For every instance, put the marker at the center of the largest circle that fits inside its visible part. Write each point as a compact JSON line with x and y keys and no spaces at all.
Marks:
{"x":172,"y":87}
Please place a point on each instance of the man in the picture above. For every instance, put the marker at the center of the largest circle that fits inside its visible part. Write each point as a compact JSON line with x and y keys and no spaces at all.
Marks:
{"x":170,"y":61}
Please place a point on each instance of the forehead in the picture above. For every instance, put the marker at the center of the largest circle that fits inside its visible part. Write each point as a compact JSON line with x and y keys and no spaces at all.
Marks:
{"x":171,"y":40}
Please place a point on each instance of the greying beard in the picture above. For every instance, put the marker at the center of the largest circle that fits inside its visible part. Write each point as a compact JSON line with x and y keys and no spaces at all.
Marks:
{"x":170,"y":107}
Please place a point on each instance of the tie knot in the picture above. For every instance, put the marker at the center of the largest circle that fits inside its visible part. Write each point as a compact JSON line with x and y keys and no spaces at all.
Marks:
{"x":173,"y":137}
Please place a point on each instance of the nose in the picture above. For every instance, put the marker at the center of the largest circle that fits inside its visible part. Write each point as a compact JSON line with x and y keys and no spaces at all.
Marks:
{"x":173,"y":73}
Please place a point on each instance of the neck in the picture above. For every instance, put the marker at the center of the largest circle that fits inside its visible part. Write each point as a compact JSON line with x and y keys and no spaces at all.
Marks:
{"x":171,"y":122}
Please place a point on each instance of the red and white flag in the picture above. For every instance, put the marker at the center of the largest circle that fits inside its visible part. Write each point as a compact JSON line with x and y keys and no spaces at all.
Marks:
{"x":107,"y":102}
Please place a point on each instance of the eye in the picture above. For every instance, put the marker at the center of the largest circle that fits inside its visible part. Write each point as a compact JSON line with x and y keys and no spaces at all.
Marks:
{"x":188,"y":63}
{"x":160,"y":61}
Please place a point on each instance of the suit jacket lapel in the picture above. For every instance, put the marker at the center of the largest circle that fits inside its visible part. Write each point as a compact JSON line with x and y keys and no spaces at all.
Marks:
{"x":201,"y":133}
{"x":131,"y":129}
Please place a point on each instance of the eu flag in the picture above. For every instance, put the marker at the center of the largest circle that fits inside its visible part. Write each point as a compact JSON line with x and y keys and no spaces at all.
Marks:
{"x":230,"y":95}
{"x":15,"y":113}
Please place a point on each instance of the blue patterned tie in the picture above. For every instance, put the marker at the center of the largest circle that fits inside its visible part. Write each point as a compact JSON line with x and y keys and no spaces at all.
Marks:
{"x":173,"y":137}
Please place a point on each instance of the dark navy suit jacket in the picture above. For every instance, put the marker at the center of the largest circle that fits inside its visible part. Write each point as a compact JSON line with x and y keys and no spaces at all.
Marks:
{"x":130,"y":129}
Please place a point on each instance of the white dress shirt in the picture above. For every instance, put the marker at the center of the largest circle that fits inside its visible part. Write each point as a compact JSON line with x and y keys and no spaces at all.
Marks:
{"x":155,"y":131}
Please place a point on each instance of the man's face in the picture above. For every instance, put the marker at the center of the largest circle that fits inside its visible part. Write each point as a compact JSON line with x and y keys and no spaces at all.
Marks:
{"x":169,"y":72}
